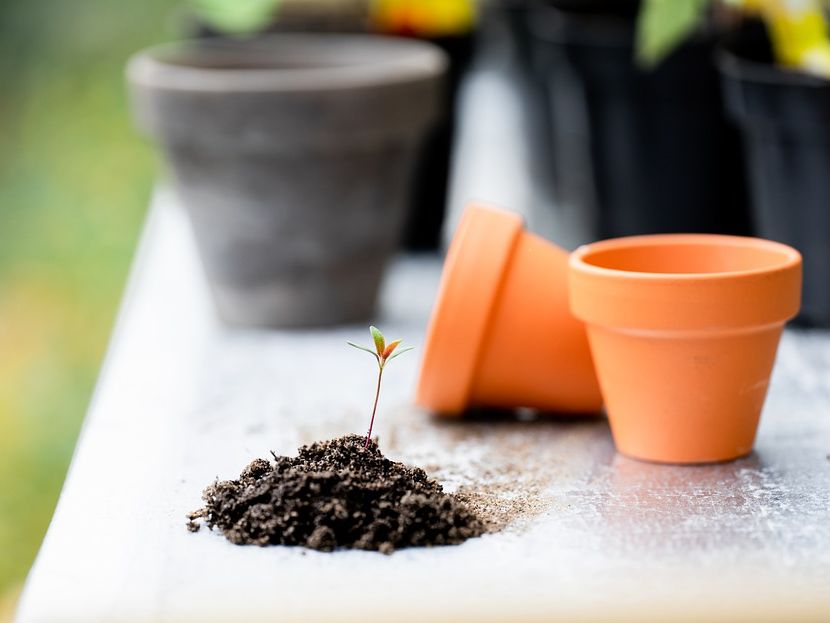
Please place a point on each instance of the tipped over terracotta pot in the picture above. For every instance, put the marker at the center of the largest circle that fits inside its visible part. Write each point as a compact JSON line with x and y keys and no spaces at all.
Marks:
{"x":684,"y":330}
{"x":501,"y":333}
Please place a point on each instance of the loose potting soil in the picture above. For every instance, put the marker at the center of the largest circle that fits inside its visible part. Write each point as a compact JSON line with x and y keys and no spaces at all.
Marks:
{"x":336,"y":494}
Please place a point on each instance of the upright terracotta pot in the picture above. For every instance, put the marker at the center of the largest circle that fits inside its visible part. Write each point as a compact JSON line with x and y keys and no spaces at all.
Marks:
{"x":501,"y":333}
{"x":684,"y":329}
{"x":293,"y":155}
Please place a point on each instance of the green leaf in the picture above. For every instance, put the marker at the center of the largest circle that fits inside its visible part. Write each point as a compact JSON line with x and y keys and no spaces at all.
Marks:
{"x":368,"y":350}
{"x":377,"y":336}
{"x":400,"y":352}
{"x":236,"y":16}
{"x":663,"y":25}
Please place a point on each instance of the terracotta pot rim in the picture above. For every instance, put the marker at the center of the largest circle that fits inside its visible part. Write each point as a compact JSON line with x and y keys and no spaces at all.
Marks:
{"x":458,"y":324}
{"x":790,"y":258}
{"x":721,"y":283}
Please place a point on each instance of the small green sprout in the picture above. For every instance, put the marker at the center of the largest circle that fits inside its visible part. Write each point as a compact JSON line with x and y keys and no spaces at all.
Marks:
{"x":383,"y":353}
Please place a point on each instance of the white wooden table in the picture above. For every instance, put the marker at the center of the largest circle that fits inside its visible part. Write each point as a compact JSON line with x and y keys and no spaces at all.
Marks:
{"x":182,"y":400}
{"x":596,"y":537}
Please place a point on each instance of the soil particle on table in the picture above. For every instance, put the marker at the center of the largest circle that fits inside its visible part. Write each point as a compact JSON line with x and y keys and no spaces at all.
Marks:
{"x":336,"y":494}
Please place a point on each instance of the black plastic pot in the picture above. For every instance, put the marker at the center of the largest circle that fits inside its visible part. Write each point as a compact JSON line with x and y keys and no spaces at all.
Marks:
{"x":506,"y":39}
{"x":657,"y":151}
{"x":785,"y":118}
{"x":429,"y":191}
{"x":515,"y":16}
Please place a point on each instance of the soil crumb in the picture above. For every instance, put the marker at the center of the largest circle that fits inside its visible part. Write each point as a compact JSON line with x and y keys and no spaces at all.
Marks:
{"x":337,"y":494}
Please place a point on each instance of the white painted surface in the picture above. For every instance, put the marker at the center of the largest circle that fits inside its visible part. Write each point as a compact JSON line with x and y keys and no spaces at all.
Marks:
{"x":182,"y":400}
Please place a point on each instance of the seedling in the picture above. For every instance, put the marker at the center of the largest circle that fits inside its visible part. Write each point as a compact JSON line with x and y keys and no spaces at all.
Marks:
{"x":383,"y":353}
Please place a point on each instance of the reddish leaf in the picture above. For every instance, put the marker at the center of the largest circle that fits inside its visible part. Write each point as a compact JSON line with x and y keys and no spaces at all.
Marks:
{"x":389,"y":348}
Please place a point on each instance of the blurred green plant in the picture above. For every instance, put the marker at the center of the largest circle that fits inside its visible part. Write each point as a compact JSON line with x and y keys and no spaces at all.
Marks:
{"x":238,"y":17}
{"x":798,"y":29}
{"x":428,"y":18}
{"x":664,"y":24}
{"x":74,"y":183}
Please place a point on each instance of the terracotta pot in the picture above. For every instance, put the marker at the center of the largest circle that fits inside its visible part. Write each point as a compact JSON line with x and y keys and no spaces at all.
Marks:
{"x":684,"y":329}
{"x":501,"y":333}
{"x":293,"y":156}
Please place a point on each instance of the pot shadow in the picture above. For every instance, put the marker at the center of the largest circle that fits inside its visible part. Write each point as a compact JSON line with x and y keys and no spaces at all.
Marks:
{"x":523,"y":445}
{"x":526,"y":435}
{"x":518,"y":417}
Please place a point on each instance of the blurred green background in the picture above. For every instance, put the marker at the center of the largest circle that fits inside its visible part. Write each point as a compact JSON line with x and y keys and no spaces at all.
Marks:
{"x":75,"y":180}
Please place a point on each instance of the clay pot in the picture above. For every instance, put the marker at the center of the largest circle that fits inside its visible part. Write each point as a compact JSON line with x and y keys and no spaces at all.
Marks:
{"x":501,"y":333}
{"x":684,"y":330}
{"x":293,"y":155}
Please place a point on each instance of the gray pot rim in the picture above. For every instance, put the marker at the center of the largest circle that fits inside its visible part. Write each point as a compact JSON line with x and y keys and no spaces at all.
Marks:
{"x":341,"y":62}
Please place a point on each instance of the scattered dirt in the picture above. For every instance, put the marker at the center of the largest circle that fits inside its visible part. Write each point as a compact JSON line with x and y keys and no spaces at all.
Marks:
{"x":499,"y":506}
{"x":338,"y":494}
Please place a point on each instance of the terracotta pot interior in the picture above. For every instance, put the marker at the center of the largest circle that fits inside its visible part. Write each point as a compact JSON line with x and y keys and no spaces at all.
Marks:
{"x":689,"y":258}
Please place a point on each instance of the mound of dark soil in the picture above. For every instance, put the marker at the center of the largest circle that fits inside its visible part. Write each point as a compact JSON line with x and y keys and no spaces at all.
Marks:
{"x":336,"y":494}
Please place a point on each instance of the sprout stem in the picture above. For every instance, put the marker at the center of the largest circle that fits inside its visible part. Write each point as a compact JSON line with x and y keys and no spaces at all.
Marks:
{"x":375,"y":407}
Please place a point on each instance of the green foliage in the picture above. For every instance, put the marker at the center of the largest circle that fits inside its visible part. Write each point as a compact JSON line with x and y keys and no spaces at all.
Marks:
{"x":664,"y":24}
{"x":368,"y":350}
{"x":383,"y":353}
{"x":401,"y":352}
{"x":380,"y":342}
{"x":75,"y":179}
{"x":236,"y":17}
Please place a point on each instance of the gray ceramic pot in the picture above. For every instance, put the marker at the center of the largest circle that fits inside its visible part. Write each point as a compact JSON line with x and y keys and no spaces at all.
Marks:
{"x":293,"y":156}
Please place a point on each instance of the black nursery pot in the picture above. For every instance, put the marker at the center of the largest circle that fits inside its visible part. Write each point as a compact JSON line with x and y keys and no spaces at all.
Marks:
{"x":428,"y":197}
{"x":785,"y":119}
{"x":660,"y":153}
